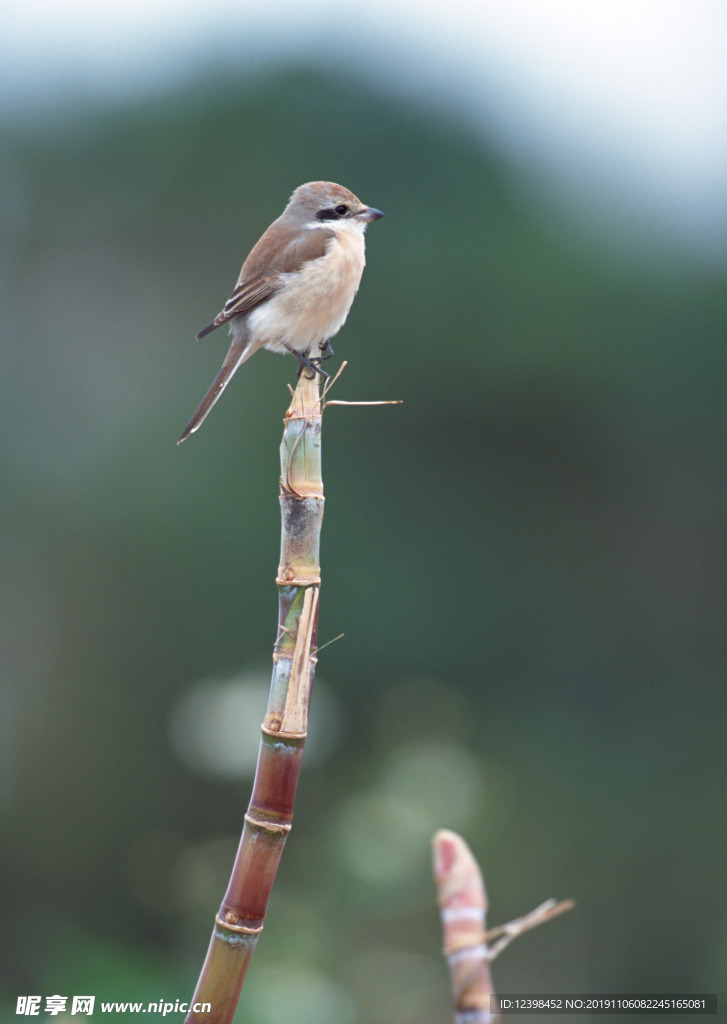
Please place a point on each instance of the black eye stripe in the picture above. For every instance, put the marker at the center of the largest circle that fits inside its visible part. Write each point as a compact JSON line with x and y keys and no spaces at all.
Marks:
{"x":334,"y":214}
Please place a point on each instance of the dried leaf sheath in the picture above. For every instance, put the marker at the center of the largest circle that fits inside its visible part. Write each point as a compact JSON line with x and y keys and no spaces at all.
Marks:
{"x":239,"y":921}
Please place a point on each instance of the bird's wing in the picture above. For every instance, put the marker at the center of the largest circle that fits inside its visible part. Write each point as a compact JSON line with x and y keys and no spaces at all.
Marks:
{"x":261,"y":271}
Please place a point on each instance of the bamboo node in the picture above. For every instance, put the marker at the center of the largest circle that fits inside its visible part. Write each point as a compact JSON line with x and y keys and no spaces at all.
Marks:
{"x":279,"y":733}
{"x":240,"y":929}
{"x":462,"y":943}
{"x":276,"y":828}
{"x":473,"y":947}
{"x":287,"y":577}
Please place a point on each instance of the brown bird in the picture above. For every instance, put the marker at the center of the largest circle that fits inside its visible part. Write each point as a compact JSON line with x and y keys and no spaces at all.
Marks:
{"x":297,"y":285}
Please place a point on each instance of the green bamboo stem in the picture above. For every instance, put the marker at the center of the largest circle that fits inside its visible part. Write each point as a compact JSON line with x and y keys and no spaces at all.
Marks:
{"x":239,"y":922}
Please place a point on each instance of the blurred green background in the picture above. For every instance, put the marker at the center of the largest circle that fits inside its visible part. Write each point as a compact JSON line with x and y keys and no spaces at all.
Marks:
{"x":527,"y":558}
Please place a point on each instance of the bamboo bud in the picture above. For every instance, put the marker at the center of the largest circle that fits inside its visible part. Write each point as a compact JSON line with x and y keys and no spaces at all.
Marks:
{"x":462,"y":900}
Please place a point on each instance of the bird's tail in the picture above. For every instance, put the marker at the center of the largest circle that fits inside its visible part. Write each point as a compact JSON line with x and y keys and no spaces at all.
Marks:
{"x":239,"y":351}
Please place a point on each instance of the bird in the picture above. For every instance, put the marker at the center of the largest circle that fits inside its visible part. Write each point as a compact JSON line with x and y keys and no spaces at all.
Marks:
{"x":296,"y":286}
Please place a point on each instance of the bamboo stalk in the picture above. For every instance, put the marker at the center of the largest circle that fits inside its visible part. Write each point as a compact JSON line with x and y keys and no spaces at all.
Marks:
{"x":468,"y":947}
{"x":462,"y":899}
{"x":239,"y":922}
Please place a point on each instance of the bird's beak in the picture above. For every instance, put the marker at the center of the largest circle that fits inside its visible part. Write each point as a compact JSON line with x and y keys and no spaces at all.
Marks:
{"x":369,"y":214}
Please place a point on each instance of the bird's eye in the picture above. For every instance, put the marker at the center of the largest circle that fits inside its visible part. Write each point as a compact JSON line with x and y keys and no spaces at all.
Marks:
{"x":332,"y":214}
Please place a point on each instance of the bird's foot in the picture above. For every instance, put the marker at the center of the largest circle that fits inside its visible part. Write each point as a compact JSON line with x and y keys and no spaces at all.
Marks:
{"x":310,"y":363}
{"x":326,"y":350}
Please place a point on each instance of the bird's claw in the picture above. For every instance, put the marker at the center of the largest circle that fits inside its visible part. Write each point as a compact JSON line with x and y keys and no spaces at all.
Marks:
{"x":311,"y":363}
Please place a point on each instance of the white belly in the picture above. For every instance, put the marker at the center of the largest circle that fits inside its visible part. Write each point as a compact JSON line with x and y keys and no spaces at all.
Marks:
{"x":313,"y":303}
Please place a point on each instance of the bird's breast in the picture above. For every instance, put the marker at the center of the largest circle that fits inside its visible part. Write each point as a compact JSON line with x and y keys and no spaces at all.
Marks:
{"x":312,"y":303}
